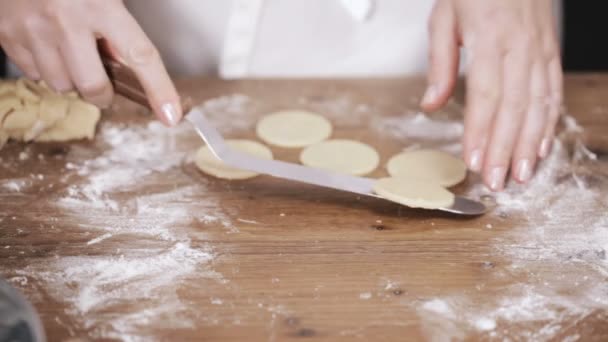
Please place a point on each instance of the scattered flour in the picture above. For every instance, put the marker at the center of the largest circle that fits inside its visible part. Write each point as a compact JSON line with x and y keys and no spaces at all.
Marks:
{"x":365,"y":295}
{"x":99,"y":239}
{"x":438,"y":306}
{"x":15,"y":185}
{"x":561,"y":237}
{"x":230,"y":113}
{"x":419,"y":126}
{"x":485,"y":324}
{"x":145,"y":254}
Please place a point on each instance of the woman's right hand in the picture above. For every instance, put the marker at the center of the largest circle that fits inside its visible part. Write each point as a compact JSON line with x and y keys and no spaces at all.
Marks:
{"x":56,"y":41}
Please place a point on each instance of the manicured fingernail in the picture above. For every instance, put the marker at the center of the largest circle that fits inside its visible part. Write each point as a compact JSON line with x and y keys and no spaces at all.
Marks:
{"x":545,"y":148}
{"x":524,"y":170}
{"x":430,"y":95}
{"x":475,"y":161}
{"x":497,"y":178}
{"x":170,"y":114}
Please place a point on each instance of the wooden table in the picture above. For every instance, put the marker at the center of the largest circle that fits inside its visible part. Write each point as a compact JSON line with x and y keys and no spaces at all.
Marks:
{"x":172,"y":254}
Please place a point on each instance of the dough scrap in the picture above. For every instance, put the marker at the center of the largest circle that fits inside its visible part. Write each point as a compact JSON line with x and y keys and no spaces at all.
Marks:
{"x":32,"y":111}
{"x":293,"y":128}
{"x":209,"y":164}
{"x":17,"y":122}
{"x":428,"y":165}
{"x":7,"y":87}
{"x":79,"y":123}
{"x":8,"y":103}
{"x":341,"y":155}
{"x":27,"y":90}
{"x":414,"y":193}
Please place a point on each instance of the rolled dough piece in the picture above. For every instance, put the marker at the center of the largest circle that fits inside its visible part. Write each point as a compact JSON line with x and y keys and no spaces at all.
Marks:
{"x":293,"y":128}
{"x":79,"y":123}
{"x":341,"y":155}
{"x":414,"y":193}
{"x":428,"y":165}
{"x":209,"y":164}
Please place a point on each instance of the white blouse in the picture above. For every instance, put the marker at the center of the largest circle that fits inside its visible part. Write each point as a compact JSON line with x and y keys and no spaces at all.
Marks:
{"x":288,"y":38}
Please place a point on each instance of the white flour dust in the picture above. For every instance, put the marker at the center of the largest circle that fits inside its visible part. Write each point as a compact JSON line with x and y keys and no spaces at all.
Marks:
{"x":127,"y":199}
{"x":562,"y":239}
{"x":230,"y":113}
{"x":341,"y":109}
{"x":419,"y":126}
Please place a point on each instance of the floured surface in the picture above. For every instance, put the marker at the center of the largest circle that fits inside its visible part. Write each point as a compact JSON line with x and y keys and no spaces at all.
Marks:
{"x":125,"y":239}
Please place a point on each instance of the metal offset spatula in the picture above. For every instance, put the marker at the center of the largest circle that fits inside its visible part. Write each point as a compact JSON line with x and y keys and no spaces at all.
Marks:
{"x":126,"y":84}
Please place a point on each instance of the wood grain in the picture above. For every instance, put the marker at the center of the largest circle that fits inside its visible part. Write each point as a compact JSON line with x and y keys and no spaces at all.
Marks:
{"x":304,"y":270}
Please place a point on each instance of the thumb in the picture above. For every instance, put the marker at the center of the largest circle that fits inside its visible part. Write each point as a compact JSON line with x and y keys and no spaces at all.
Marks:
{"x":443,"y":56}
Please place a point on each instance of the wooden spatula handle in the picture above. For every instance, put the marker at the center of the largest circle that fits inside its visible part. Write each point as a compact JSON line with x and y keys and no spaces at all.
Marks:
{"x":123,"y":79}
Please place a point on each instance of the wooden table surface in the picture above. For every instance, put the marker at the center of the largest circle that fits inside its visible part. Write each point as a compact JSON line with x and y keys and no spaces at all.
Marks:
{"x":266,"y":260}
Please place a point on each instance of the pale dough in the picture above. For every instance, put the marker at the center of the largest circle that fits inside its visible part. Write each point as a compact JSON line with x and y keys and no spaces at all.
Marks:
{"x":428,"y":165}
{"x":32,"y":111}
{"x":414,"y":193}
{"x":341,"y":155}
{"x":293,"y":128}
{"x":79,"y":123}
{"x":208,"y":163}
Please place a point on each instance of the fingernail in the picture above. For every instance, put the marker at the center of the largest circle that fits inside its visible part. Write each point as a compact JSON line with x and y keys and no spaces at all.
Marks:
{"x":475,"y":161}
{"x":524,"y":170}
{"x":497,"y":178}
{"x":545,"y":148}
{"x":170,"y":114}
{"x":430,"y":95}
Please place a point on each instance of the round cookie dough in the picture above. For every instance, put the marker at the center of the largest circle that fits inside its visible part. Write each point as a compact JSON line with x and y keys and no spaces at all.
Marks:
{"x":414,"y":193}
{"x":209,"y":164}
{"x":428,"y":165}
{"x":293,"y":128}
{"x":341,"y":155}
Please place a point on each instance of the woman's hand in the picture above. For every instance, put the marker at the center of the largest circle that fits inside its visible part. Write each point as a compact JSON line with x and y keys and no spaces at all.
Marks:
{"x":514,"y":81}
{"x":56,"y":41}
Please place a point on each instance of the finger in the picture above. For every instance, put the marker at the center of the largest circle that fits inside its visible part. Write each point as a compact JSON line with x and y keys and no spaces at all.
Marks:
{"x":22,"y":58}
{"x":444,"y":57}
{"x":555,"y":104}
{"x":138,"y":52}
{"x":524,"y":158}
{"x":507,"y":123}
{"x":484,"y":84}
{"x":79,"y":49}
{"x":50,"y":64}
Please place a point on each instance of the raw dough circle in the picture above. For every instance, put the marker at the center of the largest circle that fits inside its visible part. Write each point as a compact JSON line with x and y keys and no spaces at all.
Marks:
{"x":341,"y":155}
{"x":208,"y":163}
{"x":293,"y":128}
{"x":428,"y":165}
{"x":414,"y":193}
